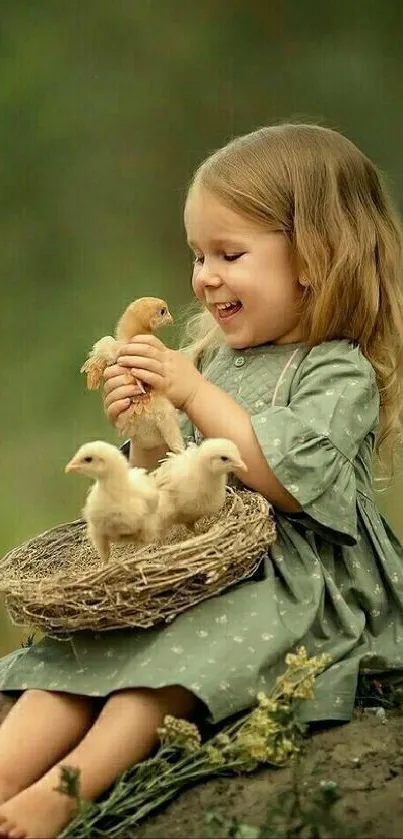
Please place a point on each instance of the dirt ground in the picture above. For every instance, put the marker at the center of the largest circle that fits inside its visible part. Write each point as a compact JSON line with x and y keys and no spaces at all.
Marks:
{"x":363,"y":758}
{"x":361,"y":763}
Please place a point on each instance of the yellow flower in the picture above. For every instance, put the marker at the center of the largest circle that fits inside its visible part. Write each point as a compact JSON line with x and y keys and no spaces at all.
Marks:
{"x":284,"y":685}
{"x":298,"y":659}
{"x":223,"y":739}
{"x":180,"y":734}
{"x":266,"y":702}
{"x":288,"y":745}
{"x":305,"y":690}
{"x":215,"y":757}
{"x":258,"y":751}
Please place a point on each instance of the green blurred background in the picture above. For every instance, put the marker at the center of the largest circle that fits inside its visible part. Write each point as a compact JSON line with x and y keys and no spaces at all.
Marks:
{"x":105,"y":109}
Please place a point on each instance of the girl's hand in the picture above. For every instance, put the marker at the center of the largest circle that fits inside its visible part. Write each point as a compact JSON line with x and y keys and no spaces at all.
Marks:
{"x":167,"y":371}
{"x":118,"y":394}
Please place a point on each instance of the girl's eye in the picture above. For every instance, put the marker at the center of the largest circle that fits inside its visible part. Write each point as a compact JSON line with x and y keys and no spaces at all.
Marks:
{"x":232,"y":257}
{"x":228,"y":257}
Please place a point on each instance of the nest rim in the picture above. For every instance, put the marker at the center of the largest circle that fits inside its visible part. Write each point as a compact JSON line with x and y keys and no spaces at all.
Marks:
{"x":31,"y":600}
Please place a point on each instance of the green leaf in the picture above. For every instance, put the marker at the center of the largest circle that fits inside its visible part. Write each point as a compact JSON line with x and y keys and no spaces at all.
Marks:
{"x":247,"y":831}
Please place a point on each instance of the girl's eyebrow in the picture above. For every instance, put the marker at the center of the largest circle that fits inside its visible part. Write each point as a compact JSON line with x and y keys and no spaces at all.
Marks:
{"x":220,"y":242}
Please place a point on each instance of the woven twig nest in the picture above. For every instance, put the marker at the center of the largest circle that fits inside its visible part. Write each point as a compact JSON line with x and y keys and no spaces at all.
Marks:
{"x":55,"y":582}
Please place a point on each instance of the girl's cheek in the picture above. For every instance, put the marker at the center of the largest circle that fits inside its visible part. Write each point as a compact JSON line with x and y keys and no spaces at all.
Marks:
{"x":197,"y":286}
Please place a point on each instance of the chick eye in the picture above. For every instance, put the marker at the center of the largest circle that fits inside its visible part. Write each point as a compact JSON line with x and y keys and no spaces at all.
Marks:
{"x":224,"y":459}
{"x":88,"y":459}
{"x":163,"y":311}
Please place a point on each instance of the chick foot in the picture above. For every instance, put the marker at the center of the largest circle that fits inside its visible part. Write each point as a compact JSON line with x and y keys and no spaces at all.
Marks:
{"x":37,"y":812}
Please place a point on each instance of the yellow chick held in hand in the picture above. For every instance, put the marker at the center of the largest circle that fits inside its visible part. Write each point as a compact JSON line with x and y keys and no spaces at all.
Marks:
{"x":151,"y":419}
{"x":192,"y":484}
{"x":122,"y":503}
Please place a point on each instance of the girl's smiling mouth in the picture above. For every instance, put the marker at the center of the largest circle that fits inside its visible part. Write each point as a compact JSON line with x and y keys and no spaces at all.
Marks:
{"x":224,"y":311}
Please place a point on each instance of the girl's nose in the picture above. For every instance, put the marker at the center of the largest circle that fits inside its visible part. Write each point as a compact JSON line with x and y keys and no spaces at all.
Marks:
{"x":209,"y":276}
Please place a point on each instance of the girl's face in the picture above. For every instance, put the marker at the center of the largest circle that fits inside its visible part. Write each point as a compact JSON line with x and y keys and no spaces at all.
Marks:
{"x":243,"y":274}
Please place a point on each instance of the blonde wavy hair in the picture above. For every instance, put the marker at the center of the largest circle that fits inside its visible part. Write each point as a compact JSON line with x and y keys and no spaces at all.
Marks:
{"x":315,"y":186}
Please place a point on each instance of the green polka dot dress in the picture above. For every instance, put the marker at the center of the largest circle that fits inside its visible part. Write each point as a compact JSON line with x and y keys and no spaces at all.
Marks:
{"x":333,"y":580}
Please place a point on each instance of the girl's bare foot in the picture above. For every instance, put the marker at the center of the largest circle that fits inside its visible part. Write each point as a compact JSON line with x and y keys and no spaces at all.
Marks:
{"x":7,"y":791}
{"x":123,"y":734}
{"x":37,"y":812}
{"x":41,"y":727}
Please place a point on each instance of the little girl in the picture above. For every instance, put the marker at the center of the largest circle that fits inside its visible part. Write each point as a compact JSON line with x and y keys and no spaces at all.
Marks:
{"x":297,"y":358}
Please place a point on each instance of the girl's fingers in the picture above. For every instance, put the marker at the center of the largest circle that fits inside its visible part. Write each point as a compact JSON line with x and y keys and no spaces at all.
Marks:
{"x":136,"y":362}
{"x":149,"y":340}
{"x":116,"y":408}
{"x":148,"y":377}
{"x":140,"y":349}
{"x":119,"y":393}
{"x":125,"y":379}
{"x":113,"y":371}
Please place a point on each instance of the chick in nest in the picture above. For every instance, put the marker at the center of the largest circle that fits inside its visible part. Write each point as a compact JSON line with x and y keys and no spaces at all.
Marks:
{"x":122,"y":503}
{"x":192,"y":484}
{"x":151,"y":419}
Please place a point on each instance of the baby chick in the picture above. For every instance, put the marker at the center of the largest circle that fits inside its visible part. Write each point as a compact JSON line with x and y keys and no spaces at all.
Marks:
{"x":122,"y":503}
{"x":192,"y":484}
{"x":151,"y":418}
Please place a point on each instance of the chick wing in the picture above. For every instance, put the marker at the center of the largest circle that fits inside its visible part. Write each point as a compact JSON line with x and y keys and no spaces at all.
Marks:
{"x":104,"y":352}
{"x":145,"y":487}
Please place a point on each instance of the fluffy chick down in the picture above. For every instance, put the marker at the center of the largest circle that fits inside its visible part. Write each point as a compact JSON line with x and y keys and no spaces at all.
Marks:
{"x":192,"y":484}
{"x":151,"y":419}
{"x":122,"y":504}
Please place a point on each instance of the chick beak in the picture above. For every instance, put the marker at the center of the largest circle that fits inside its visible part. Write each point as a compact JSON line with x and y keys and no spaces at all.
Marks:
{"x":168,"y":317}
{"x":71,"y":466}
{"x":239,"y":464}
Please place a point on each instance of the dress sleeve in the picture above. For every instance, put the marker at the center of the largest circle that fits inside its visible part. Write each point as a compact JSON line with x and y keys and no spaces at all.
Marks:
{"x":186,"y":427}
{"x":311,"y":444}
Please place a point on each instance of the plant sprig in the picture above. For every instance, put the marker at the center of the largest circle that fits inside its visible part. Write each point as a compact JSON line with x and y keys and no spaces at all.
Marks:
{"x":269,"y":734}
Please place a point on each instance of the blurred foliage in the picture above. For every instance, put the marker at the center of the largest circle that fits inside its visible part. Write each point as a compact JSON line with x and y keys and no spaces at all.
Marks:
{"x":106,"y":107}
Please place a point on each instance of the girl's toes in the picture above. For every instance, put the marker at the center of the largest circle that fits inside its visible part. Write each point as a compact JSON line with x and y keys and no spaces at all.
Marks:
{"x":17,"y":833}
{"x":9,"y":830}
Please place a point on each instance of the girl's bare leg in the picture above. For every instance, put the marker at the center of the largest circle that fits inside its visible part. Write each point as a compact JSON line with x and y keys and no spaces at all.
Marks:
{"x":39,"y":729}
{"x":124,"y":733}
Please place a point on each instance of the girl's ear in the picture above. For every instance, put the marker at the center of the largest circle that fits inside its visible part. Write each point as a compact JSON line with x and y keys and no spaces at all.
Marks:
{"x":298,"y":270}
